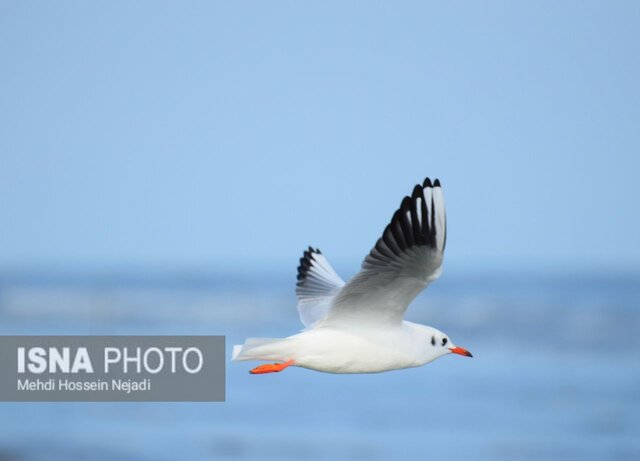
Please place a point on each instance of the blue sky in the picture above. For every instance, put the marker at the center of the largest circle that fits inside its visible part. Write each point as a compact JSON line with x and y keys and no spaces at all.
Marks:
{"x":232,"y":135}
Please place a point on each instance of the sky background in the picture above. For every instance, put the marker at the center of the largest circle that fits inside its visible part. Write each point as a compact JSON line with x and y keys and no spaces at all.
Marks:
{"x":229,"y":136}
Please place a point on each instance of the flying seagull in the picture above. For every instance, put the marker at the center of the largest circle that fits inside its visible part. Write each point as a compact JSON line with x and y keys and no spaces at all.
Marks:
{"x":358,"y":326}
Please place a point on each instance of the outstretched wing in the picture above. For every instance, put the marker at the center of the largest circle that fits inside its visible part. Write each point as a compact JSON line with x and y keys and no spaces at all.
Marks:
{"x":317,"y":285}
{"x":403,"y":262}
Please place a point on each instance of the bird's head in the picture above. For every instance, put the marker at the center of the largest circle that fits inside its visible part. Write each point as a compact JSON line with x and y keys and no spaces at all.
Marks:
{"x":437,"y":344}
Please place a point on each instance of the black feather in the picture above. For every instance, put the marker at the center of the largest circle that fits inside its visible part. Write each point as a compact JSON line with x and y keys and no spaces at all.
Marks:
{"x":387,"y":238}
{"x":396,"y":229}
{"x":405,"y":221}
{"x":305,"y":264}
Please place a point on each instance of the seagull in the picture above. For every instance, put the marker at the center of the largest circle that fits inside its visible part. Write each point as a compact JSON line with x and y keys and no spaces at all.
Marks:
{"x":358,"y":326}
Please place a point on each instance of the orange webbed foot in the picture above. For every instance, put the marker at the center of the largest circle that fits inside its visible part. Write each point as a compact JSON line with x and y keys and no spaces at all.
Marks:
{"x":271,"y":368}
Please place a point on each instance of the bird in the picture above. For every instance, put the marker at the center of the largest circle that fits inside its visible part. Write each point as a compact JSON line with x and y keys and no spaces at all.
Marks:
{"x":359,"y":326}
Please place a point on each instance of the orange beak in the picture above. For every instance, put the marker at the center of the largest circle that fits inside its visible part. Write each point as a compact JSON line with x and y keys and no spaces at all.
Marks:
{"x":461,"y":351}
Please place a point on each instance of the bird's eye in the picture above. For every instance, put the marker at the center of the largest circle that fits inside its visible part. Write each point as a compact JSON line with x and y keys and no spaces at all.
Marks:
{"x":433,"y":340}
{"x":444,"y":341}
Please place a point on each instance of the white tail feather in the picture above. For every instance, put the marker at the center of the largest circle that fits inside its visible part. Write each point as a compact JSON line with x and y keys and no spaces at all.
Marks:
{"x":250,"y":350}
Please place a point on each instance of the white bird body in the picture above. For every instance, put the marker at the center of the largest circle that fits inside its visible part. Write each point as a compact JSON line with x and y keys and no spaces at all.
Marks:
{"x":358,"y":327}
{"x":349,"y":350}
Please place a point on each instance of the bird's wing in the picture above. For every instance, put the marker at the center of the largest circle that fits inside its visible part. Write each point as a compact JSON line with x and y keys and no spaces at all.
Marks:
{"x":403,"y":262}
{"x":317,"y":285}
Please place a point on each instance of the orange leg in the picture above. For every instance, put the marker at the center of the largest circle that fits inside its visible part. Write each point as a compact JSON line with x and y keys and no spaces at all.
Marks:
{"x":271,"y":368}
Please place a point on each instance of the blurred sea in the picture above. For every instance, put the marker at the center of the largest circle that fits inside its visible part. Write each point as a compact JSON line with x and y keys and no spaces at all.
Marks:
{"x":555,"y":374}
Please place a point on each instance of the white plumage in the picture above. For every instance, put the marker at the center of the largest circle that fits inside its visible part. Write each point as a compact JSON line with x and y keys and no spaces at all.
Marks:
{"x":358,"y":327}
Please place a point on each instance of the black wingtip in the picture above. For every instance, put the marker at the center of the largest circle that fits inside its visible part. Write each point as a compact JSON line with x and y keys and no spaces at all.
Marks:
{"x":305,"y":262}
{"x":413,"y":224}
{"x":417,"y":192}
{"x":405,"y":205}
